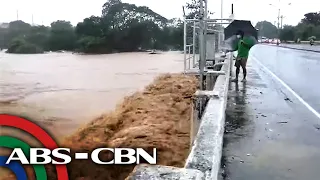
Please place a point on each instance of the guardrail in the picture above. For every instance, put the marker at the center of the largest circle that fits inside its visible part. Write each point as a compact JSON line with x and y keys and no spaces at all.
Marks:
{"x":188,"y":56}
{"x":207,"y":130}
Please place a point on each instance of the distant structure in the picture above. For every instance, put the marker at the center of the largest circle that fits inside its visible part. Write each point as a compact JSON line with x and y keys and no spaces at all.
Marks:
{"x":232,"y":12}
{"x":4,"y":25}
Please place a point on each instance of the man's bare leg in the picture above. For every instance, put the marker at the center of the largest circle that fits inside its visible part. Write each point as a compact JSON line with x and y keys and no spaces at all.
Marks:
{"x":244,"y":69}
{"x":237,"y":74}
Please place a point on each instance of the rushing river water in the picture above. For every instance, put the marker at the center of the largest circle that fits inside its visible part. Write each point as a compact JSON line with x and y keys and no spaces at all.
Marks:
{"x":64,"y":91}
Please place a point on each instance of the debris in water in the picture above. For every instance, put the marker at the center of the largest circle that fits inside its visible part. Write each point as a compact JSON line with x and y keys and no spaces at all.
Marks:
{"x":158,"y":117}
{"x":263,"y":115}
{"x":287,"y":99}
{"x":248,"y":154}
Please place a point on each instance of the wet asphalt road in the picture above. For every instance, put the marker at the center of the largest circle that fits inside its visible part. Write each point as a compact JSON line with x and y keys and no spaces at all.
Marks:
{"x":270,"y":134}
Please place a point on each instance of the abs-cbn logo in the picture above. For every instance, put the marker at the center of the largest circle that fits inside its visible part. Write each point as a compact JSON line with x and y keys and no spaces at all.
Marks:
{"x":46,"y":156}
{"x":51,"y":153}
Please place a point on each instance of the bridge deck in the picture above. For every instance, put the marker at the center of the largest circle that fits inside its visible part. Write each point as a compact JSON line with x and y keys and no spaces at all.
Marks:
{"x":269,"y":135}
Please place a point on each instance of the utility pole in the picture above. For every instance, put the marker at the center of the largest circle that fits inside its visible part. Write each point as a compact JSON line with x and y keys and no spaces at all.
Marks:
{"x":205,"y":24}
{"x":278,"y":26}
{"x":232,"y":13}
{"x":202,"y":61}
{"x":221,"y":10}
{"x":282,"y":21}
{"x":220,"y":29}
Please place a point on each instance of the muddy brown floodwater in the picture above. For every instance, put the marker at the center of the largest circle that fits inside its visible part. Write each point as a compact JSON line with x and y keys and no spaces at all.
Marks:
{"x":63,"y":91}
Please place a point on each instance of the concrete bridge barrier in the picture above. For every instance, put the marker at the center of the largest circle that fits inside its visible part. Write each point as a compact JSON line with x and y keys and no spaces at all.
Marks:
{"x":207,"y":131}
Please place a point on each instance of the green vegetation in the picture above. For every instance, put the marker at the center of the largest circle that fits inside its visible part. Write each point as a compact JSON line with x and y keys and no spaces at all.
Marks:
{"x":20,"y":46}
{"x":122,"y":27}
{"x":267,"y":29}
{"x":308,"y":28}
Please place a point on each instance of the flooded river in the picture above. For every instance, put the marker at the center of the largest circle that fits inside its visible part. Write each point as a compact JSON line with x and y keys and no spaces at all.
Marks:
{"x":64,"y":91}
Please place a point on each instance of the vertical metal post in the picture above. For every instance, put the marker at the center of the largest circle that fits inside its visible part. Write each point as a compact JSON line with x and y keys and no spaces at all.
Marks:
{"x":214,"y":47}
{"x":232,"y":8}
{"x":189,"y":56}
{"x":221,"y":10}
{"x":278,"y":26}
{"x":231,"y":62}
{"x":194,"y":45}
{"x":202,"y":61}
{"x":185,"y":44}
{"x":219,"y":39}
{"x":205,"y":26}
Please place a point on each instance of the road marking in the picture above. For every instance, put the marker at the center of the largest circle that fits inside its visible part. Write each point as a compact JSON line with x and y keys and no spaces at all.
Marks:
{"x":288,"y":88}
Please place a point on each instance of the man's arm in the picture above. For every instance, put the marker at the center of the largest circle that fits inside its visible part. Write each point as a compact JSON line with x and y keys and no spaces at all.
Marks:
{"x":246,"y":44}
{"x":232,"y":50}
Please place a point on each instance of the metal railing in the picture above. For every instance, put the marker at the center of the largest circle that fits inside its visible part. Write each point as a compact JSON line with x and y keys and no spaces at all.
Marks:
{"x":187,"y":47}
{"x":188,"y":64}
{"x":191,"y":51}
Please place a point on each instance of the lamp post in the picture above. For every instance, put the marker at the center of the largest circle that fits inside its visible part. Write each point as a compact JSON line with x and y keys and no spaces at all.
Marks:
{"x":279,"y":17}
{"x":282,"y":17}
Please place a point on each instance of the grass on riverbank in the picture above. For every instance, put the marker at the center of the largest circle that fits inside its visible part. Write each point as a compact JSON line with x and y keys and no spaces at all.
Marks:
{"x":157,"y":117}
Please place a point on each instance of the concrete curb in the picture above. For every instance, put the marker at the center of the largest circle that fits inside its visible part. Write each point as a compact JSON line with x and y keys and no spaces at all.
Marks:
{"x":157,"y":172}
{"x":310,"y":50}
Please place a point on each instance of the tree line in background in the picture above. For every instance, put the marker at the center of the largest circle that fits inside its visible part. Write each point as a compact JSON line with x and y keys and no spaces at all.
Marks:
{"x":308,"y":28}
{"x":122,"y":27}
{"x":125,"y":27}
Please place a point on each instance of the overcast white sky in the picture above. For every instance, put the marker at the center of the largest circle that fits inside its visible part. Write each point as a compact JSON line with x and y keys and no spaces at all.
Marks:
{"x":46,"y":11}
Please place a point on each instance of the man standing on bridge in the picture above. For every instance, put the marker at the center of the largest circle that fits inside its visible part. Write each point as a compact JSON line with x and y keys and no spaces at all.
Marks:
{"x":243,"y":48}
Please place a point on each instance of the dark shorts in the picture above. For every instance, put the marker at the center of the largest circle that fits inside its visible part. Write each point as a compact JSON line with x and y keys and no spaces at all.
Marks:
{"x":241,"y":62}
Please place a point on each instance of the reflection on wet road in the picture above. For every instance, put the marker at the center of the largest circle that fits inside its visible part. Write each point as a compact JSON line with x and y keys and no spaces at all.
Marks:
{"x":64,"y":90}
{"x":270,"y":134}
{"x":298,"y":69}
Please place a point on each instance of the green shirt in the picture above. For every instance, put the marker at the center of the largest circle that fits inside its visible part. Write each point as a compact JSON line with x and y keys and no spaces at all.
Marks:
{"x":243,"y":49}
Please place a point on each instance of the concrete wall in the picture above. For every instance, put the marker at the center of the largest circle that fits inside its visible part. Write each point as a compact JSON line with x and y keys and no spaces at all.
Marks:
{"x":204,"y":159}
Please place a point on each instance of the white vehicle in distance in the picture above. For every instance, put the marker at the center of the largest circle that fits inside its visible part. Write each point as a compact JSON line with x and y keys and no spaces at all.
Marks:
{"x":276,"y":41}
{"x":263,"y":40}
